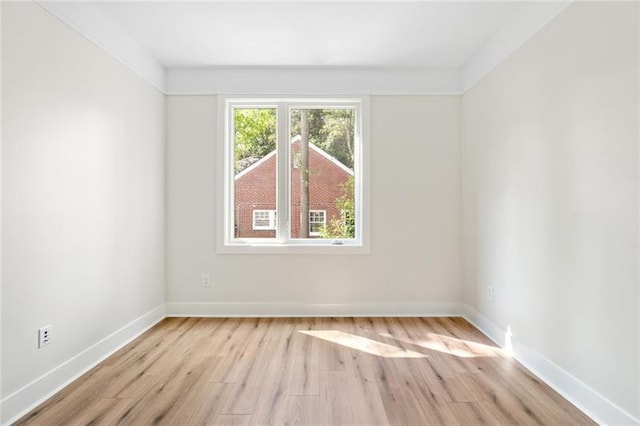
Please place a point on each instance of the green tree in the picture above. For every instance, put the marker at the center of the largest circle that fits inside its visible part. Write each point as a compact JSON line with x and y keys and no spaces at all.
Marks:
{"x":255,"y":135}
{"x":336,"y":135}
{"x":332,"y":130}
{"x":343,"y":227}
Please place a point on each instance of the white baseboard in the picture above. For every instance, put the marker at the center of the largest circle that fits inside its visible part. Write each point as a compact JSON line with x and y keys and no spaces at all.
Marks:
{"x":313,"y":309}
{"x":482,"y":323}
{"x":589,"y":401}
{"x":30,"y":396}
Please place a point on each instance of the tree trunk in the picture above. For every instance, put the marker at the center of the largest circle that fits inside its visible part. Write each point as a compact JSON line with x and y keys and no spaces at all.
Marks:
{"x":348,"y":127}
{"x":304,"y":173}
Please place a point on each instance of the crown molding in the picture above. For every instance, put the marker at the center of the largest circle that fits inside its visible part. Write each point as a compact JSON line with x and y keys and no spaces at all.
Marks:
{"x":318,"y":81}
{"x":95,"y":26}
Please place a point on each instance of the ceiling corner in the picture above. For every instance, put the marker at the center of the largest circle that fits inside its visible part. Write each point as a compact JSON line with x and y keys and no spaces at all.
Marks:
{"x":93,"y":25}
{"x":507,"y":40}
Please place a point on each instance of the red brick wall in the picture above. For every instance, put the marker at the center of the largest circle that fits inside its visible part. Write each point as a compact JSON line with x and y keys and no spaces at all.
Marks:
{"x":256,"y":190}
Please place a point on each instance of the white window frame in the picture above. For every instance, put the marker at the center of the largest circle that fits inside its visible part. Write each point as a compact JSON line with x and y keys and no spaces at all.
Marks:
{"x":324,"y":221}
{"x":272,"y":220}
{"x":283,"y":243}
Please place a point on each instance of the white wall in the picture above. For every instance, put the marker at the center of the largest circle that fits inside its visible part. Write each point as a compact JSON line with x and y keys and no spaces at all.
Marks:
{"x":83,"y":192}
{"x":549,"y":168}
{"x":550,"y":187}
{"x":415,"y":220}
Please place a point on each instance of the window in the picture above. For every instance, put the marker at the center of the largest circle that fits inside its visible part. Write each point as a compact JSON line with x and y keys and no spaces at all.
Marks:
{"x":264,"y":220}
{"x":317,"y":222}
{"x":297,"y":159}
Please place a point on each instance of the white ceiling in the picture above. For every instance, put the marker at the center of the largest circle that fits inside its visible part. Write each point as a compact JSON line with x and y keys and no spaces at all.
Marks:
{"x":364,"y":34}
{"x":369,"y":35}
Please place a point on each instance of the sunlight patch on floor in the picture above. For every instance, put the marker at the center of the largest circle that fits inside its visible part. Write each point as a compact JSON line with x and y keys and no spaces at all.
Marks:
{"x":449,"y":345}
{"x":363,"y":344}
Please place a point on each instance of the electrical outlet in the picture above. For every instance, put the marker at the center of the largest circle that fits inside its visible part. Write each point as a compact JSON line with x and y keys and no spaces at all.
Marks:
{"x":206,"y":280}
{"x":490,"y":293}
{"x":44,"y":336}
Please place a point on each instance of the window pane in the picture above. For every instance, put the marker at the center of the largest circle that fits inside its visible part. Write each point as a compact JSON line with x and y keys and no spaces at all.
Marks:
{"x":254,"y":154}
{"x":264,"y":220}
{"x":322,"y":173}
{"x":317,"y":222}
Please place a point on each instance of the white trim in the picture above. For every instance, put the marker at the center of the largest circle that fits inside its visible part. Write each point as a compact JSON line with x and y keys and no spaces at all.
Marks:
{"x":221,"y":179}
{"x":35,"y":393}
{"x":91,"y":23}
{"x":284,"y":81}
{"x":508,"y":39}
{"x":289,"y":309}
{"x":587,"y":399}
{"x":488,"y":328}
{"x":301,"y":246}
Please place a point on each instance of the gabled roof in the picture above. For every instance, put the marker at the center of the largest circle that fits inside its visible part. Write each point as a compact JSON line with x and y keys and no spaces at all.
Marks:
{"x":294,"y":140}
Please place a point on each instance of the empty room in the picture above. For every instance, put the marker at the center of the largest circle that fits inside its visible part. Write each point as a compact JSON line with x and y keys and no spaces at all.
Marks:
{"x":320,"y":212}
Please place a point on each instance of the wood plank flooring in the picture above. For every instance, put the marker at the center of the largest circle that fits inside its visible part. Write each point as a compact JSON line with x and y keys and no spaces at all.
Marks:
{"x":330,"y":371}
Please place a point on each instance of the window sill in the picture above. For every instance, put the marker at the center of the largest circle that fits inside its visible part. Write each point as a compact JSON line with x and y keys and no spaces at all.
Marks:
{"x":336,"y":249}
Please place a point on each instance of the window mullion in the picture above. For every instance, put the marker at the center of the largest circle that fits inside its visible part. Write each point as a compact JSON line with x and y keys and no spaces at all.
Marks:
{"x":282,"y":178}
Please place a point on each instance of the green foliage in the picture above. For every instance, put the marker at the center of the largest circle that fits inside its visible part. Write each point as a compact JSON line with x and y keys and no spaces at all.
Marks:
{"x":255,"y":135}
{"x":343,"y":227}
{"x":331,"y":130}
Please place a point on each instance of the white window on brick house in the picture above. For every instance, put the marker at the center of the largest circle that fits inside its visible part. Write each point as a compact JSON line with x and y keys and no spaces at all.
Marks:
{"x":264,"y":220}
{"x":317,"y":221}
{"x":287,"y":158}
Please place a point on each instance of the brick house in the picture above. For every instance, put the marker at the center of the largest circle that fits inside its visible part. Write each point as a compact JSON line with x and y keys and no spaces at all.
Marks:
{"x":255,"y":193}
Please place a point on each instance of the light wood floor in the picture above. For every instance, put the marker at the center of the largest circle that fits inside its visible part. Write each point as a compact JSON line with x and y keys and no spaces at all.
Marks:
{"x":418,"y":371}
